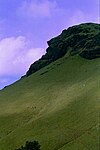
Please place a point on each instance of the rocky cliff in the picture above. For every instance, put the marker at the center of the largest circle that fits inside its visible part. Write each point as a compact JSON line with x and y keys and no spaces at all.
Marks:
{"x":83,"y":40}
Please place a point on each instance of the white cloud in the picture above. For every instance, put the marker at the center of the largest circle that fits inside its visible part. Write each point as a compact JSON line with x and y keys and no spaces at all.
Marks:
{"x":37,"y":8}
{"x":16,"y":56}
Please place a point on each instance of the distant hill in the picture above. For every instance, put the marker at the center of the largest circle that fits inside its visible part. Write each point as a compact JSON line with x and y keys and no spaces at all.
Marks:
{"x":83,"y":39}
{"x":58,"y":103}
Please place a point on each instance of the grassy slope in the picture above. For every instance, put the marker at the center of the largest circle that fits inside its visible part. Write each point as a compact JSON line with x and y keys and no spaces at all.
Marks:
{"x":58,"y":106}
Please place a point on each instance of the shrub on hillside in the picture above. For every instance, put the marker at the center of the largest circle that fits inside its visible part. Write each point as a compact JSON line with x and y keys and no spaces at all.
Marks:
{"x":30,"y":146}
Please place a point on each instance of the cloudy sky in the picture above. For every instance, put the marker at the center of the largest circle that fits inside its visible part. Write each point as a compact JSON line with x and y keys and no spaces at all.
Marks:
{"x":26,"y":25}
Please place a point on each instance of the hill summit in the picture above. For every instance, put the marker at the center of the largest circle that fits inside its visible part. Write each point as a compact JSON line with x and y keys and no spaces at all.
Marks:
{"x":83,"y":39}
{"x":58,"y":105}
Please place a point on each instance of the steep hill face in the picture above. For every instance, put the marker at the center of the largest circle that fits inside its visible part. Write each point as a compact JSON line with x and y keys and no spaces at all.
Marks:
{"x":58,"y":106}
{"x":83,"y":40}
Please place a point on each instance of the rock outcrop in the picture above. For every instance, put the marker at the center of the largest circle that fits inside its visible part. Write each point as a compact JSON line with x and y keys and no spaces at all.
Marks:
{"x":83,"y":39}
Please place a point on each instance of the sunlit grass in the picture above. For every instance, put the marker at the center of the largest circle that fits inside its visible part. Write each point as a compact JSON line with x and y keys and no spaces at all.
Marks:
{"x":58,"y":106}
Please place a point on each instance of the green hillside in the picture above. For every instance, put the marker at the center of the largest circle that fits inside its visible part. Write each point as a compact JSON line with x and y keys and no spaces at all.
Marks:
{"x":58,"y":106}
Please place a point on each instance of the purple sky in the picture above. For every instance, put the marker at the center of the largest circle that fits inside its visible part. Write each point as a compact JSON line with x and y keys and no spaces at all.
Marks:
{"x":26,"y":26}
